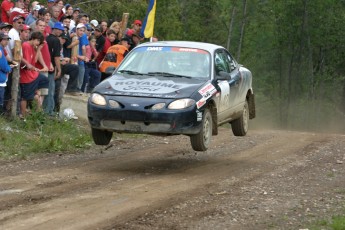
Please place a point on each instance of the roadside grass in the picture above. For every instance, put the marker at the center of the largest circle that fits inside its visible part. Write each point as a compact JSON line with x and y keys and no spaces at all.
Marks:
{"x":40,"y":134}
{"x":336,"y":223}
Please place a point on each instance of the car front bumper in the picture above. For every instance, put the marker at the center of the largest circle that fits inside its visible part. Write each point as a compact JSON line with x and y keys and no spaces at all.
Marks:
{"x":141,"y":120}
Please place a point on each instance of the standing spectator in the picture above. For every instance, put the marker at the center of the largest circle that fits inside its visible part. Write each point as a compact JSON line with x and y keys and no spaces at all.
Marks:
{"x":6,"y":7}
{"x":134,"y":38}
{"x":68,"y":10}
{"x":50,"y":4}
{"x":104,"y":25}
{"x":55,"y":12}
{"x":94,"y":23}
{"x":5,"y":68}
{"x":25,"y":33}
{"x":136,"y":26}
{"x":116,"y":26}
{"x":44,"y":62}
{"x":74,"y":20}
{"x":54,"y":50}
{"x":18,"y":9}
{"x":82,"y":58}
{"x":92,"y":76}
{"x":46,"y":19}
{"x":69,"y":75}
{"x":109,"y":41}
{"x":100,"y":40}
{"x":5,"y":27}
{"x":30,"y":79}
{"x":69,"y":69}
{"x":18,"y":23}
{"x":33,"y":16}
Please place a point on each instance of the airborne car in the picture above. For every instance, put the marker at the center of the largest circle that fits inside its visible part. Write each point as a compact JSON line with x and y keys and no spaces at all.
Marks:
{"x":173,"y":87}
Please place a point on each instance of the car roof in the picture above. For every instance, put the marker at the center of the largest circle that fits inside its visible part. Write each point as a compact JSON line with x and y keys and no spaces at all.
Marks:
{"x":187,"y":44}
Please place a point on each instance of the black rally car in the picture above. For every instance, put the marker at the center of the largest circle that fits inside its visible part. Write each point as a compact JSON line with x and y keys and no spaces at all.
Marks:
{"x":173,"y":87}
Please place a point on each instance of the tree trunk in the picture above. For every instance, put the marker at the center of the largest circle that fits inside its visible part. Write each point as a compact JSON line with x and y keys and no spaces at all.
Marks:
{"x":15,"y":78}
{"x":242,"y":29}
{"x":232,"y":19}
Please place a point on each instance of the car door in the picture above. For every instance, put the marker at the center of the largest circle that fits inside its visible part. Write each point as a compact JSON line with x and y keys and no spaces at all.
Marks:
{"x":225,"y":64}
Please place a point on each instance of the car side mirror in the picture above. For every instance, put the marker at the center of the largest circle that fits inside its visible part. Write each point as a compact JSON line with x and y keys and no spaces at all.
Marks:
{"x":222,"y":75}
{"x":110,"y":70}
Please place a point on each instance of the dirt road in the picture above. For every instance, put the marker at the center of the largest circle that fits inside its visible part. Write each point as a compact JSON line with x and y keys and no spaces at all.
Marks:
{"x":266,"y":180}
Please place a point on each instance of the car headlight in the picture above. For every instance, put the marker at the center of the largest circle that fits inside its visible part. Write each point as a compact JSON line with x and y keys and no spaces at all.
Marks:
{"x":158,"y":106}
{"x":98,"y":99}
{"x":181,"y":103}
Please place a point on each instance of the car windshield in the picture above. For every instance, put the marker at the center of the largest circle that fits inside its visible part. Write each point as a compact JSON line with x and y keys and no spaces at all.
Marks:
{"x":167,"y":62}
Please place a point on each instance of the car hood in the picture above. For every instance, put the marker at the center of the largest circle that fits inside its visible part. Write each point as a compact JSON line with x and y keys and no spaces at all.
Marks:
{"x":149,"y":87}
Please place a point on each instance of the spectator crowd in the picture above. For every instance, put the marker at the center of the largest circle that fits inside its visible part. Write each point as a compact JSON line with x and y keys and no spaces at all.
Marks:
{"x":63,"y":52}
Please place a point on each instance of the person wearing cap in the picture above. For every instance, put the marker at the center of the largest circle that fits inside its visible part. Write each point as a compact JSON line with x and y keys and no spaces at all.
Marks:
{"x":18,"y":9}
{"x":69,"y":75}
{"x":54,"y":46}
{"x":136,"y":26}
{"x":100,"y":39}
{"x":25,"y":33}
{"x":74,"y":20}
{"x":6,"y":7}
{"x":94,"y":23}
{"x":5,"y":27}
{"x":69,"y":72}
{"x":82,"y":58}
{"x":68,"y":10}
{"x":33,"y":16}
{"x":18,"y":23}
{"x":133,"y":37}
{"x":31,"y":81}
{"x":14,"y":34}
{"x":50,"y":4}
{"x":5,"y":68}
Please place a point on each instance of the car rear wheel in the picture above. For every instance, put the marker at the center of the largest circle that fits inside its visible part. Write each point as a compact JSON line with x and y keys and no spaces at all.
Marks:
{"x":201,"y":141}
{"x":240,"y":125}
{"x":101,"y":137}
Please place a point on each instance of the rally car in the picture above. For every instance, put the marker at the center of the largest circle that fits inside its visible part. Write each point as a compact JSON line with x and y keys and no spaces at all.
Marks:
{"x":173,"y":87}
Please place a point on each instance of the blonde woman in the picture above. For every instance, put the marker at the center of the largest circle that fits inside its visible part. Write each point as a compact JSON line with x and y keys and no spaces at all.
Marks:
{"x":116,"y":26}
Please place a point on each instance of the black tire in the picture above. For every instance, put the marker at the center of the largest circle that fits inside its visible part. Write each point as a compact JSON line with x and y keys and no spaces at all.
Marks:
{"x":101,"y":137}
{"x":201,"y":141}
{"x":240,"y":125}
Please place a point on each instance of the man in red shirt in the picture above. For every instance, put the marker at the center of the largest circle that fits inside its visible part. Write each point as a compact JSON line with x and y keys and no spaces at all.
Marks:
{"x":6,"y":7}
{"x":30,"y":79}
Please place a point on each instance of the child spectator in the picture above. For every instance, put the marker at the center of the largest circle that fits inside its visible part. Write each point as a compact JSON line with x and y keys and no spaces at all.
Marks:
{"x":30,"y":79}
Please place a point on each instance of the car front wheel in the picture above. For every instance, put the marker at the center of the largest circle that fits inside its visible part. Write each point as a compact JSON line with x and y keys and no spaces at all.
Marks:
{"x":240,"y":125}
{"x":101,"y":137}
{"x":201,"y":141}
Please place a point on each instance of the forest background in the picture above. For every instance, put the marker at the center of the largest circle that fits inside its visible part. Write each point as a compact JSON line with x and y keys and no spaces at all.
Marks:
{"x":294,"y":48}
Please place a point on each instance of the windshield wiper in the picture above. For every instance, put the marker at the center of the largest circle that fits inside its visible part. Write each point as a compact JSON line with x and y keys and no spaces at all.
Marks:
{"x":165,"y":74}
{"x":130,"y":72}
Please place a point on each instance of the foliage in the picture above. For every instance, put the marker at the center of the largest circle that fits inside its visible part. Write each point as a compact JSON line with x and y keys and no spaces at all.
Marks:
{"x":39,"y":133}
{"x":295,"y":49}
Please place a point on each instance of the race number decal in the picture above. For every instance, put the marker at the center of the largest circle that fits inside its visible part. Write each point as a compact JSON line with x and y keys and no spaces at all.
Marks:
{"x":224,"y":102}
{"x":206,"y":92}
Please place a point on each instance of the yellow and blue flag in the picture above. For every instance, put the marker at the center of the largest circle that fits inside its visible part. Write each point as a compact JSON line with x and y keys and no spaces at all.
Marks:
{"x":149,"y":21}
